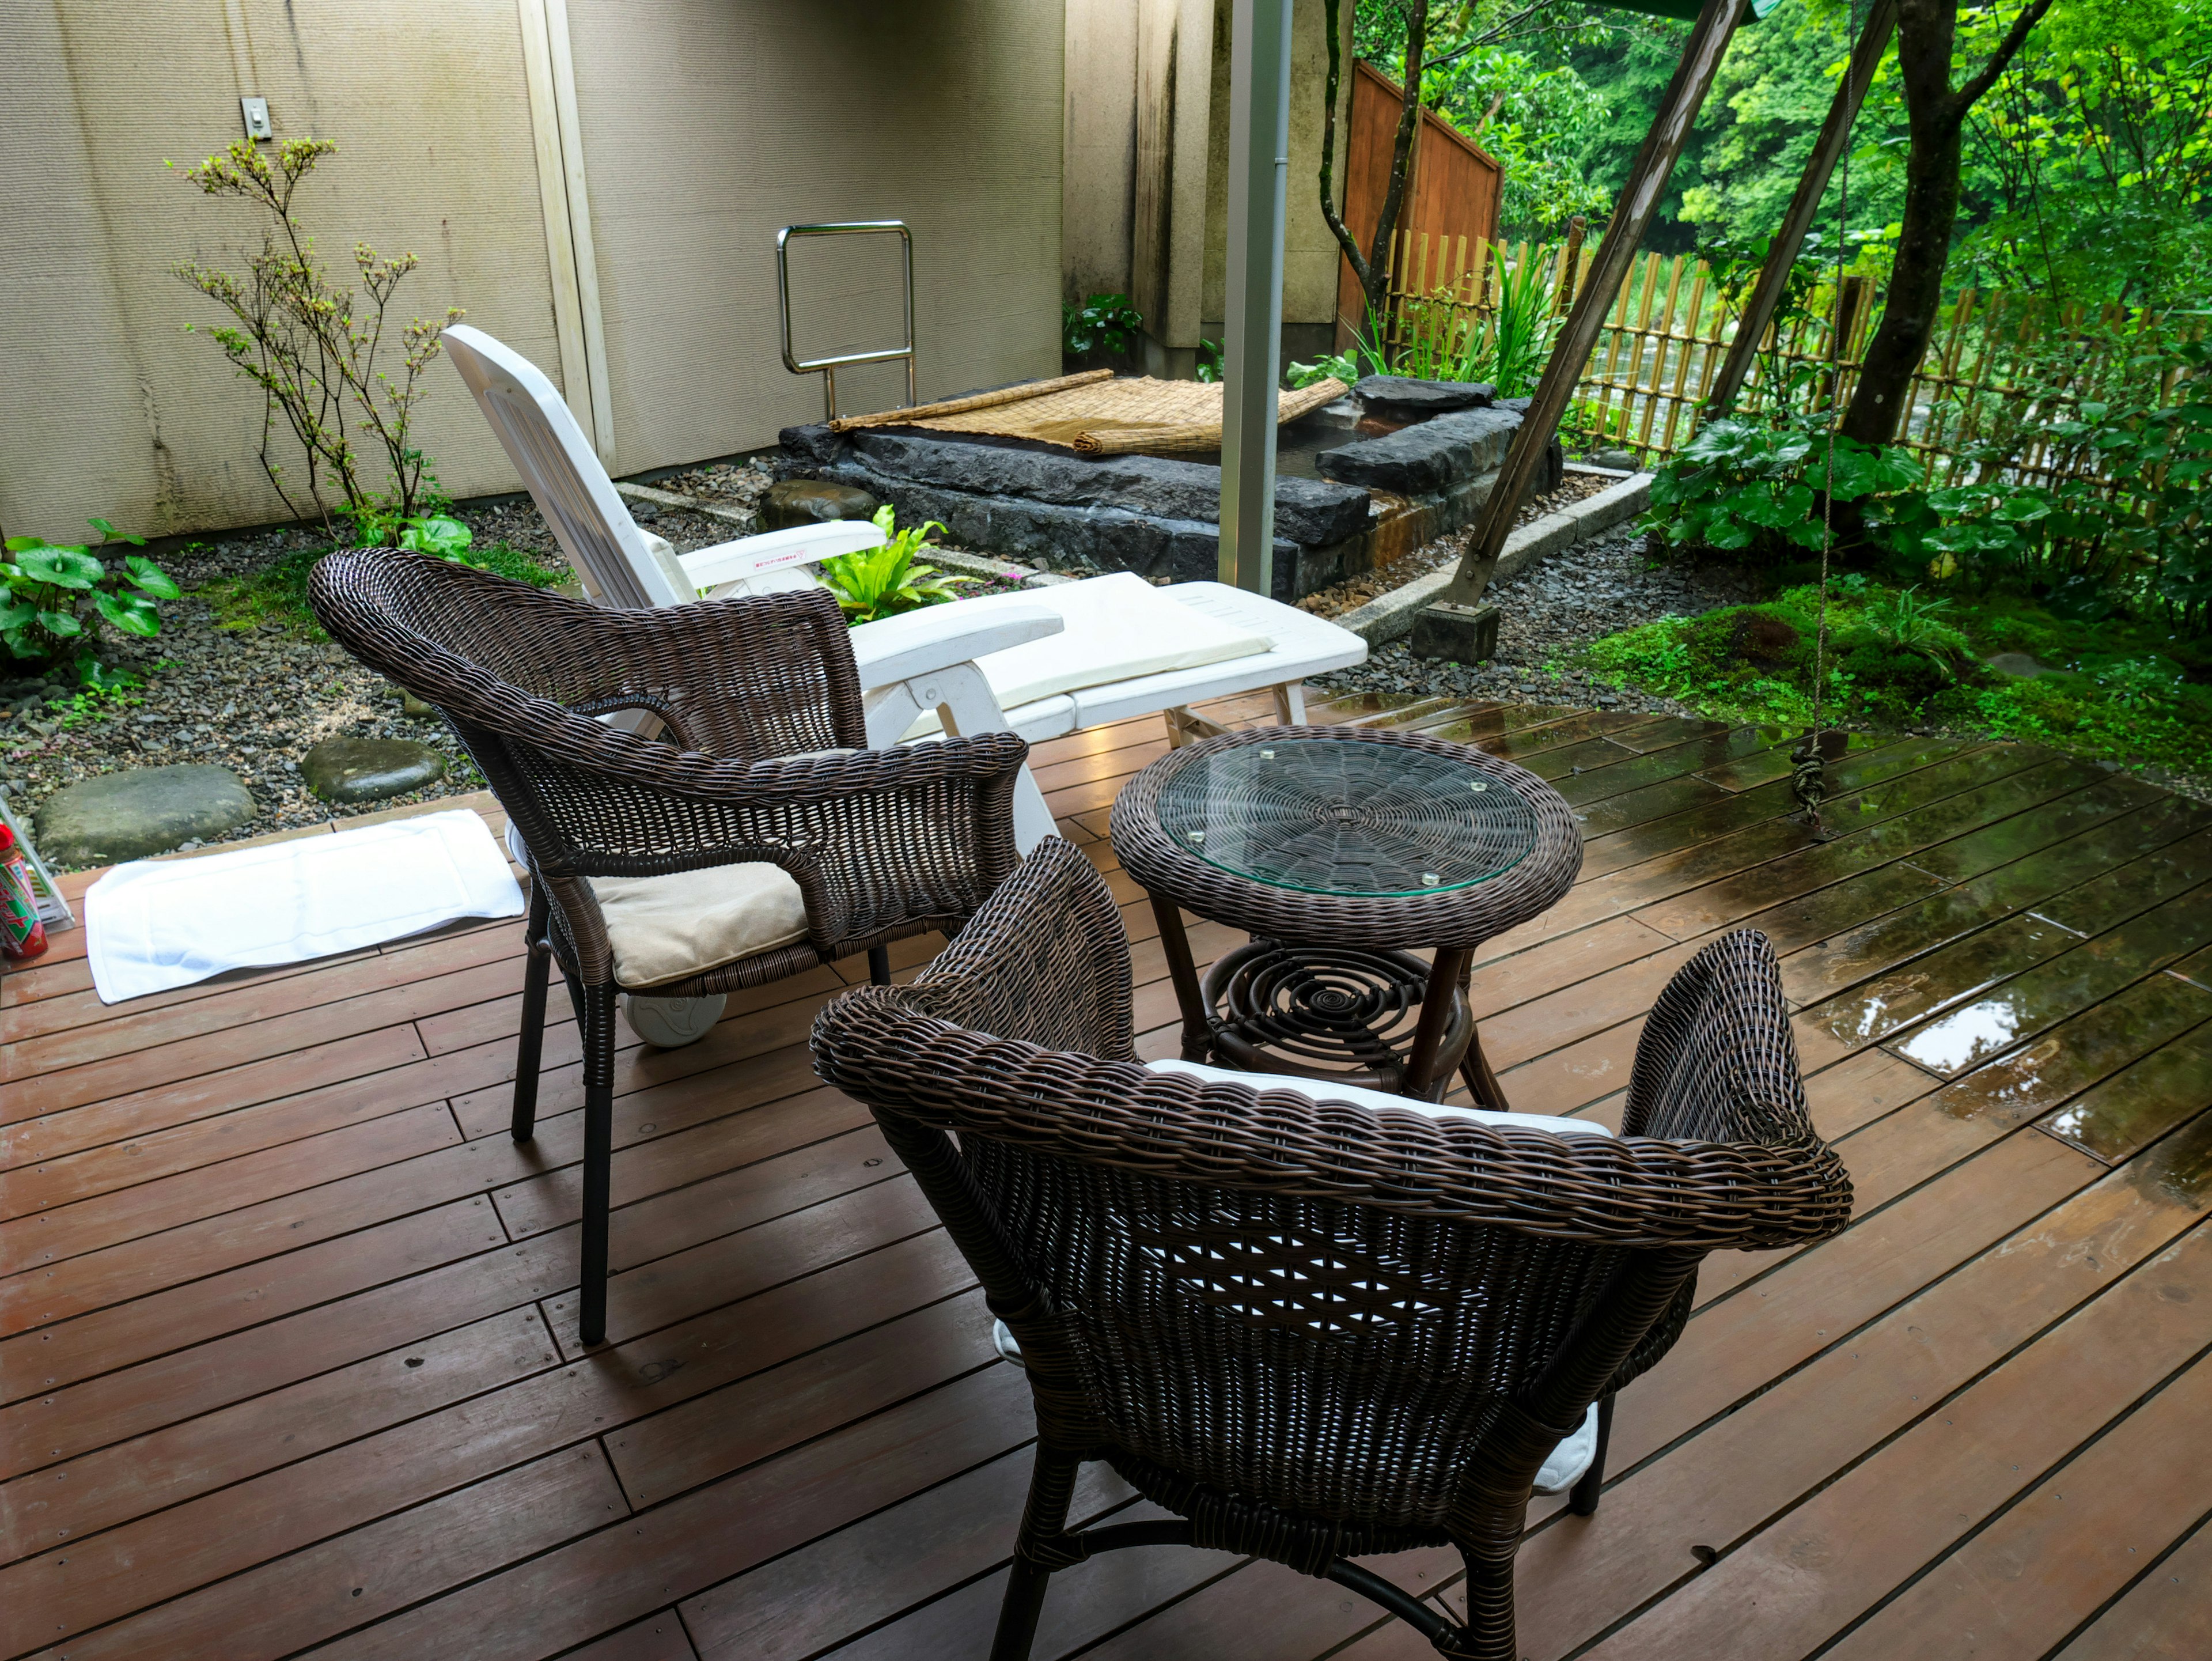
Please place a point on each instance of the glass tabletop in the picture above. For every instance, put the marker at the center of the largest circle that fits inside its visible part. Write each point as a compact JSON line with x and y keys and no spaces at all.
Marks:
{"x":1348,"y":817}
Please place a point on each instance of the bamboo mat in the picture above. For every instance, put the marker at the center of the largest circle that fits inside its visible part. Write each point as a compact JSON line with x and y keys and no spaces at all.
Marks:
{"x":1094,"y":413}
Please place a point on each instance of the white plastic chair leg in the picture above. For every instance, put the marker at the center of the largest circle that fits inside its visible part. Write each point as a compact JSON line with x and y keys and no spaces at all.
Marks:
{"x":965,"y":703}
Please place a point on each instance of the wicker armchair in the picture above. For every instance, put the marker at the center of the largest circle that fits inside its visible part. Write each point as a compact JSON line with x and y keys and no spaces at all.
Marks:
{"x":1314,"y":1330}
{"x":757,"y":838}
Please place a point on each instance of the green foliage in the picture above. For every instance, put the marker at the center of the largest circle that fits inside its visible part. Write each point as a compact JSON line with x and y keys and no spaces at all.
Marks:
{"x":1210,"y":361}
{"x":58,"y":595}
{"x":1898,"y":660}
{"x":315,"y":349}
{"x":1505,"y":347}
{"x":1746,"y":489}
{"x":1339,"y":365}
{"x":1104,"y":322}
{"x":278,"y":593}
{"x":881,"y":582}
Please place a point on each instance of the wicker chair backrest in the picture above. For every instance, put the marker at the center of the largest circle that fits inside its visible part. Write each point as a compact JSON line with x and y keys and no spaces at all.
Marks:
{"x":519,"y":672}
{"x":1341,"y":1314}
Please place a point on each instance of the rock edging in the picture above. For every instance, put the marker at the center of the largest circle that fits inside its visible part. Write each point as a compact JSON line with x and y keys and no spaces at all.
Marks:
{"x":1390,"y":617}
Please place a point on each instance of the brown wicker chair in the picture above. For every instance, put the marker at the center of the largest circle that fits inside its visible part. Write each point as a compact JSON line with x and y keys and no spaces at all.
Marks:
{"x":1315,"y":1331}
{"x":763,"y":766}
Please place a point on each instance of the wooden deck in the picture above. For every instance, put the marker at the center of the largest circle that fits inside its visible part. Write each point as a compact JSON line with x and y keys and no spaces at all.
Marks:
{"x":289,"y":1361}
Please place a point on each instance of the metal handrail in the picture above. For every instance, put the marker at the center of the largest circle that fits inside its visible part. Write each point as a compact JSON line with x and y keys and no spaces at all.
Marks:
{"x":830,"y":366}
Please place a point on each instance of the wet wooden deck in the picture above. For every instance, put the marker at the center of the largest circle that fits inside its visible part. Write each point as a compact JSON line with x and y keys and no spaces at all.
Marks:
{"x":289,"y":1361}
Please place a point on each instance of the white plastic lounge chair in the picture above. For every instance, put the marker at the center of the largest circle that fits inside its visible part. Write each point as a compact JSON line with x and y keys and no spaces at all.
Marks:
{"x":1120,"y":647}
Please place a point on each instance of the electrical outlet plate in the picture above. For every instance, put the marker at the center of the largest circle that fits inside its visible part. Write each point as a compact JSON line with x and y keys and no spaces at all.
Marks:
{"x":256,"y":112}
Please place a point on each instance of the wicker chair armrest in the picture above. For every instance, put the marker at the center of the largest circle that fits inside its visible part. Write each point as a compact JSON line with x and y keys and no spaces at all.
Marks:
{"x":876,"y":839}
{"x":1631,"y":1192}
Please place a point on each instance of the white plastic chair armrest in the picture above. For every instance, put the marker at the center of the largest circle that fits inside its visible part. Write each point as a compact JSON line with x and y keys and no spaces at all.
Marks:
{"x":938,"y":636}
{"x":802,"y":545}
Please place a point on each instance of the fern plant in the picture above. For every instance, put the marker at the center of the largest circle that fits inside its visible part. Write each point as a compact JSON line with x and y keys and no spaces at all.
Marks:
{"x":882,"y":583}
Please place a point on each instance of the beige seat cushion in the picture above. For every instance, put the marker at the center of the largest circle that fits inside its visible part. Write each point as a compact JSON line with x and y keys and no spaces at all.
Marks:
{"x":669,"y":928}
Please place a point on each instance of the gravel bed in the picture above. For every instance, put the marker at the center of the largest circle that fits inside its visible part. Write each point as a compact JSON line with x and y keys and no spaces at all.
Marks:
{"x":1551,"y":608}
{"x":1350,"y":595}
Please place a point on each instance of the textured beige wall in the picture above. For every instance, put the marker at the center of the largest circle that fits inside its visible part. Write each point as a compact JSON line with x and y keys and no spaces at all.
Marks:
{"x":1097,"y":190}
{"x":1309,"y":252}
{"x":710,"y":123}
{"x":707,"y":124}
{"x":1179,"y":139}
{"x":106,"y":405}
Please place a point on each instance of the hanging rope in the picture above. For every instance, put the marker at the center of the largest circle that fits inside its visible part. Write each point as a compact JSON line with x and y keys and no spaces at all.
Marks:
{"x":1809,"y":769}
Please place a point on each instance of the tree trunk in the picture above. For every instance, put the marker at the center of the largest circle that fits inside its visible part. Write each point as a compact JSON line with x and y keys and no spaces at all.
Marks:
{"x":1927,"y":32}
{"x":1371,"y":266}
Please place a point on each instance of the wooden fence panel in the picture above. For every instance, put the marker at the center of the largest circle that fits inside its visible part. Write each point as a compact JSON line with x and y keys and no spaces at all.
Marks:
{"x":2003,"y":368}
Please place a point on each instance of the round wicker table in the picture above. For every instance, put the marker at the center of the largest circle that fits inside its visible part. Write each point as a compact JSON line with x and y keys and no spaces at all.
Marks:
{"x":1342,"y":851}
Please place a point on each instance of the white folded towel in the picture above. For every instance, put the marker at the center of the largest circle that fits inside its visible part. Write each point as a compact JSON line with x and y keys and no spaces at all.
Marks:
{"x":153,"y":925}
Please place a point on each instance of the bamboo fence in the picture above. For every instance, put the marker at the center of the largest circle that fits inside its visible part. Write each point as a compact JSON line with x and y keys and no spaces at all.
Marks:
{"x":2002,"y":368}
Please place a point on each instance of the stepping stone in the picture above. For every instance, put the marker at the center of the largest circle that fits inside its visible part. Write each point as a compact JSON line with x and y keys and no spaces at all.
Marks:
{"x":370,"y":769}
{"x":811,"y":502}
{"x":147,"y":809}
{"x":2018,"y":664}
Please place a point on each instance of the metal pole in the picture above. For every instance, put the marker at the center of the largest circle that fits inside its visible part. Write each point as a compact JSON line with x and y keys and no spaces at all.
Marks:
{"x":1782,"y":252}
{"x":1259,"y":174}
{"x":1631,"y":216}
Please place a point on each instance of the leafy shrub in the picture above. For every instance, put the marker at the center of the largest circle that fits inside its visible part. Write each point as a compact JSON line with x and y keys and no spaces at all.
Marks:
{"x":1211,"y":361}
{"x":58,"y":595}
{"x":315,"y":349}
{"x":882,"y":583}
{"x":1743,"y":487}
{"x":1338,"y":366}
{"x":1104,"y":322}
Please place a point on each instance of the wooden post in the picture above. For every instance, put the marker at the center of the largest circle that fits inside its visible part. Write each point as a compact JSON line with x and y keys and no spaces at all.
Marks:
{"x":1436,"y":632}
{"x":1827,"y":150}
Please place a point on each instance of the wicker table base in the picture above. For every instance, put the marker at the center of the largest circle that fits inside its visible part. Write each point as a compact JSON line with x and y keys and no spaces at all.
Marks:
{"x":1378,"y":1019}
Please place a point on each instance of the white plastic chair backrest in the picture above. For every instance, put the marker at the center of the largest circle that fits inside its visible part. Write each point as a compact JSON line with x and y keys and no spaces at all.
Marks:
{"x":619,"y":565}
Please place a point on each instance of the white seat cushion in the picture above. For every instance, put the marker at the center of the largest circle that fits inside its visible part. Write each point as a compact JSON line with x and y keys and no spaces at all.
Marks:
{"x":1322,"y":1090}
{"x":1119,"y":628}
{"x":669,"y":928}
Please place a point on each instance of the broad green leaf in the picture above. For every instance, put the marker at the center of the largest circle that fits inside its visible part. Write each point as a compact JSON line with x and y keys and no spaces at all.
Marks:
{"x":151,"y":577}
{"x":65,"y":568}
{"x":60,"y":623}
{"x":436,"y":533}
{"x":131,"y":613}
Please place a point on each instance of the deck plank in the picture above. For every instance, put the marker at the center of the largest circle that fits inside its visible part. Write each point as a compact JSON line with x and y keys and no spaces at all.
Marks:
{"x":289,"y":1314}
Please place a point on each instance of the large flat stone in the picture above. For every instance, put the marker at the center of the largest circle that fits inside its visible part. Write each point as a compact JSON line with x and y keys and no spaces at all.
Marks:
{"x":1434,"y":455}
{"x":1110,"y":538}
{"x":1400,"y":398}
{"x":1307,"y":510}
{"x":370,"y":769}
{"x":792,"y":503}
{"x":147,"y":809}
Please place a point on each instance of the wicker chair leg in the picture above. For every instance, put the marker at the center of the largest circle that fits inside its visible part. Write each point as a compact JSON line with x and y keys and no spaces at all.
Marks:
{"x":1488,"y":1634}
{"x":598,"y":1010}
{"x":1583,"y":1498}
{"x":529,"y":1045}
{"x":879,"y":964}
{"x":1044,"y":1521}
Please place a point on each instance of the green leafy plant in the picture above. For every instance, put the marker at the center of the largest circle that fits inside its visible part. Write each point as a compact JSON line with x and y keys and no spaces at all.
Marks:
{"x":1743,"y":487}
{"x":1211,"y":360}
{"x":58,"y":595}
{"x":1104,"y":322}
{"x":316,"y":350}
{"x":1339,"y":365}
{"x":441,"y":534}
{"x":882,"y":583}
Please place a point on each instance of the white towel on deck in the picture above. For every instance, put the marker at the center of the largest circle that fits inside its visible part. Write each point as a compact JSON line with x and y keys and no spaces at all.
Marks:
{"x":153,"y":925}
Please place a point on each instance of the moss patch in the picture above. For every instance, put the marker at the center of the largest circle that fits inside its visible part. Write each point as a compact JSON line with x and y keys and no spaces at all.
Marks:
{"x":2112,"y":691}
{"x":278,"y":593}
